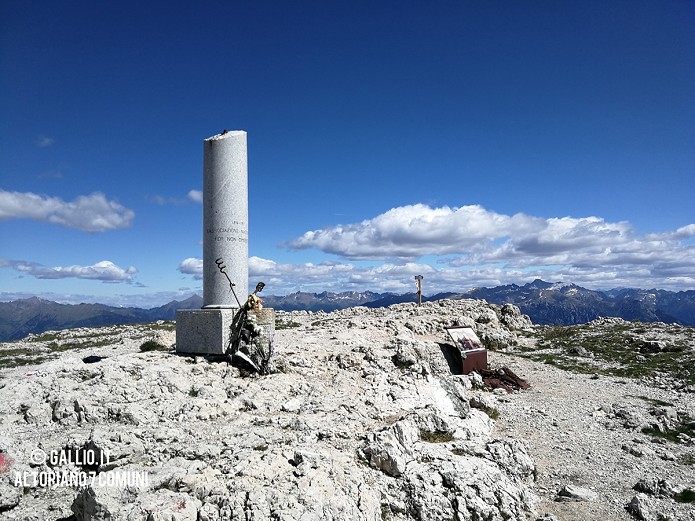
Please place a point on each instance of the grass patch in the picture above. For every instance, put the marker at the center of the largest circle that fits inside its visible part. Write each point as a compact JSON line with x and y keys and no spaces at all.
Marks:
{"x":46,"y":337}
{"x":55,"y":347}
{"x":687,"y":496}
{"x":492,"y":412}
{"x":20,"y":351}
{"x":79,"y":339}
{"x":10,"y":358}
{"x":59,"y":347}
{"x":653,"y":401}
{"x":622,"y":349}
{"x":688,"y":459}
{"x":491,"y":343}
{"x":67,"y":346}
{"x":22,"y":356}
{"x":672,"y":434}
{"x":386,"y":513}
{"x":152,"y":345}
{"x":98,"y":334}
{"x":281,"y":324}
{"x":163,"y":326}
{"x":559,"y":333}
{"x":435,"y":437}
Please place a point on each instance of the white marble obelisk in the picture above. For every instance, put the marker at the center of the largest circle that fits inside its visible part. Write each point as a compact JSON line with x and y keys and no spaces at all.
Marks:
{"x":225,"y":220}
{"x":225,"y":247}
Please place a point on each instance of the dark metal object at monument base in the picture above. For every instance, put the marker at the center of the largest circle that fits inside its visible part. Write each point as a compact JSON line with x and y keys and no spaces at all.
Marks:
{"x":222,"y":268}
{"x":247,"y":345}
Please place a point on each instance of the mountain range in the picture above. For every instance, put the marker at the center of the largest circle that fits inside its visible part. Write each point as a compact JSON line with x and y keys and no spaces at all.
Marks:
{"x":544,"y":302}
{"x":19,"y":318}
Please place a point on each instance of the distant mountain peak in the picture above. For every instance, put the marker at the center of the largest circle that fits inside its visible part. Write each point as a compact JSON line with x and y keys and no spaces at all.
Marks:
{"x":541,"y":284}
{"x":556,"y":303}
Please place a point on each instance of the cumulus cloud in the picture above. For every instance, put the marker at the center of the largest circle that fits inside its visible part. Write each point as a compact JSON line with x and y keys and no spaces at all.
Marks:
{"x":306,"y":275}
{"x":395,"y":277}
{"x":89,"y":213}
{"x":44,"y":141}
{"x":684,"y":232}
{"x":105,"y":271}
{"x":471,"y":247}
{"x":398,"y":277}
{"x":163,"y":200}
{"x":192,"y":266}
{"x":481,"y":247}
{"x":417,"y":230}
{"x":196,"y":196}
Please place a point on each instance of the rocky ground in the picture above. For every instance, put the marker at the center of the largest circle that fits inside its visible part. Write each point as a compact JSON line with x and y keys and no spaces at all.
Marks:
{"x":362,"y":419}
{"x":587,"y":432}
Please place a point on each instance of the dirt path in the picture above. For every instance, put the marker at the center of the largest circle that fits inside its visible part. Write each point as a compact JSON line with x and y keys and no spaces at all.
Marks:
{"x":575,"y":428}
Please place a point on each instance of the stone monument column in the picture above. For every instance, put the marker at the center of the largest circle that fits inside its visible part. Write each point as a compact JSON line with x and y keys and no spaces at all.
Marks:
{"x":225,"y":220}
{"x":210,"y":330}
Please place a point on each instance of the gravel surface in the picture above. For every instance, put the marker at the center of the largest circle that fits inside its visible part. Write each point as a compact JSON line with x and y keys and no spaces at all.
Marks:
{"x":585,"y":431}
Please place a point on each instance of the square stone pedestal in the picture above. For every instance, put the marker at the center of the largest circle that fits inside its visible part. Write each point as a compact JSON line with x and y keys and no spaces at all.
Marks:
{"x":206,"y":331}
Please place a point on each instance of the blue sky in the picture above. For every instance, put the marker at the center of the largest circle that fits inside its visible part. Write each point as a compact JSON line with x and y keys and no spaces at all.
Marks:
{"x":475,"y":143}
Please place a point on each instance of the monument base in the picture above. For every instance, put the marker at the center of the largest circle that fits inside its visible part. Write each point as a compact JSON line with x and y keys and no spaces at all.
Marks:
{"x":207,"y":331}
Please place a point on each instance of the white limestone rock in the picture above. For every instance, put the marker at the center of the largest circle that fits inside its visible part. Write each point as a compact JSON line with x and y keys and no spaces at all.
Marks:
{"x":9,"y":495}
{"x":574,"y":493}
{"x":641,"y":507}
{"x":366,"y":421}
{"x":391,"y":450}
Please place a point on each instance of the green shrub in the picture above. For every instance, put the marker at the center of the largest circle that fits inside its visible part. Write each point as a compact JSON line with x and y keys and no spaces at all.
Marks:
{"x":152,"y":345}
{"x":435,"y":437}
{"x":281,"y":324}
{"x":687,"y":496}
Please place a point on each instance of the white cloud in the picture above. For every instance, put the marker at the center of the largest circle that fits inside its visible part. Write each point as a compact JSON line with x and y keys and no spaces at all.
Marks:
{"x":52,"y":174}
{"x":417,"y":230}
{"x":474,"y":247}
{"x":163,"y":200}
{"x":105,"y":271}
{"x":192,"y":266}
{"x":89,"y":213}
{"x":481,"y":248}
{"x":325,"y":276}
{"x":684,"y":232}
{"x":196,"y":196}
{"x":44,"y":141}
{"x":386,"y":277}
{"x":399,"y":277}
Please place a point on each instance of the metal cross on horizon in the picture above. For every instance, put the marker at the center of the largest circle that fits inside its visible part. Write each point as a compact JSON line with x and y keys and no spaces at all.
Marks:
{"x":419,"y":278}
